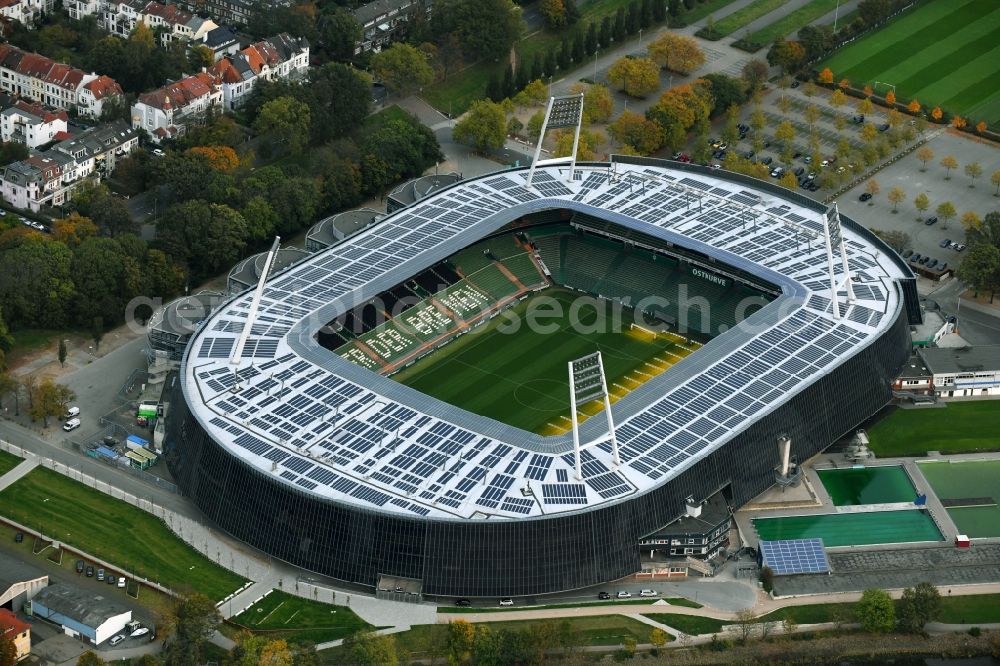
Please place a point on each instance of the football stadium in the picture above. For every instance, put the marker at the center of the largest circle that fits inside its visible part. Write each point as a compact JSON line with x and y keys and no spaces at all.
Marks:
{"x":507,"y":386}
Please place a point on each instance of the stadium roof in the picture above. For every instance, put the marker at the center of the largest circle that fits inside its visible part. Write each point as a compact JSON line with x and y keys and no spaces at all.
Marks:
{"x":327,"y":426}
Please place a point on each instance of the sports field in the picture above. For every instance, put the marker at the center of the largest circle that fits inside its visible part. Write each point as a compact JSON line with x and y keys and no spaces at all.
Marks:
{"x":960,"y":427}
{"x":943,"y":53}
{"x":520,"y":376}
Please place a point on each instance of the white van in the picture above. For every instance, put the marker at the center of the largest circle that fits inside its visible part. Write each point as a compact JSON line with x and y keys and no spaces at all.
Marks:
{"x":72,"y":412}
{"x":72,"y":424}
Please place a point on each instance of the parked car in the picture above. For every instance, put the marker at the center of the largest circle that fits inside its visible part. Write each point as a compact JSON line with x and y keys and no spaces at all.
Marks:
{"x":958,"y":247}
{"x":121,"y":581}
{"x":79,"y":566}
{"x":19,"y":537}
{"x":100,"y":574}
{"x":807,"y":159}
{"x":859,"y":118}
{"x":931,"y":220}
{"x":795,"y":83}
{"x":72,"y":424}
{"x":799,"y":171}
{"x":883,"y":127}
{"x":926,"y":260}
{"x":603,"y":596}
{"x":945,"y":243}
{"x":506,"y":601}
{"x":777,"y":172}
{"x":684,"y":158}
{"x":110,"y":579}
{"x":943,"y":266}
{"x":648,"y":593}
{"x":749,"y":154}
{"x":116,"y":640}
{"x":463,"y":603}
{"x":932,"y":263}
{"x":90,"y":572}
{"x":767,"y":161}
{"x":716,"y":166}
{"x":865,"y":197}
{"x":158,"y":152}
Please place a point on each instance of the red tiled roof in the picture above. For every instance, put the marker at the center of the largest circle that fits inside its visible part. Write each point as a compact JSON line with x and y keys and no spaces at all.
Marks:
{"x":169,"y":13}
{"x":39,"y":111}
{"x":225,"y":71}
{"x":39,"y":67}
{"x":180,"y":93}
{"x":103,"y":86}
{"x":8,"y":3}
{"x":11,"y":624}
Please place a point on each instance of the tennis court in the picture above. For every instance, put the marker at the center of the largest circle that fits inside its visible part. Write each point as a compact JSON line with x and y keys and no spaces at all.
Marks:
{"x":852,"y":529}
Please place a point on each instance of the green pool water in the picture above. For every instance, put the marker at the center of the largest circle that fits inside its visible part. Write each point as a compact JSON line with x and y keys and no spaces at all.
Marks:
{"x":958,"y":480}
{"x":852,"y":529}
{"x":867,"y":485}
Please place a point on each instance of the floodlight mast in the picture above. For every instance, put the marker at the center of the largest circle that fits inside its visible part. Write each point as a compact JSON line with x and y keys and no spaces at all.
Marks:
{"x":590,"y":369}
{"x":569,"y":113}
{"x":234,"y":360}
{"x":834,"y":237}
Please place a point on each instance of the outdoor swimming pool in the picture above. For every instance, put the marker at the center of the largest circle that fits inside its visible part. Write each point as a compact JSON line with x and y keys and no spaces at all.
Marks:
{"x":867,"y":485}
{"x":969,"y":491}
{"x":852,"y":529}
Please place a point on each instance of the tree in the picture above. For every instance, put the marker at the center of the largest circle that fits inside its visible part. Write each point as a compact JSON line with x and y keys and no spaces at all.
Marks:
{"x":637,"y":77}
{"x":921,"y":203}
{"x":535,"y":125}
{"x":788,"y":55}
{"x":980,"y":267}
{"x":635,"y":130}
{"x":50,"y":399}
{"x":949,"y":162}
{"x":579,"y":50}
{"x":869,"y":133}
{"x":285,"y":121}
{"x":925,"y":155}
{"x":838,"y":99}
{"x":97,"y":331}
{"x":62,"y":352}
{"x":220,"y":158}
{"x":871,"y":187}
{"x":658,"y":638}
{"x":591,"y":43}
{"x":918,"y":606}
{"x":680,"y":109}
{"x":784,"y":133}
{"x":371,"y":649}
{"x":726,"y":90}
{"x":485,"y":28}
{"x":995,"y":179}
{"x":339,"y":32}
{"x":981,"y":127}
{"x":483,"y":127}
{"x":945,"y":211}
{"x":896,"y":195}
{"x":597,"y":104}
{"x":461,"y":639}
{"x":90,"y":658}
{"x":745,"y":624}
{"x":958,"y":122}
{"x":973,"y":170}
{"x":628,"y":646}
{"x":553,"y":12}
{"x":913,"y":106}
{"x":676,"y":52}
{"x":402,"y":68}
{"x":825,"y":76}
{"x":195,"y":619}
{"x":936,"y":113}
{"x":73,"y":230}
{"x":875,"y":611}
{"x":754,"y":73}
{"x":865,"y":106}
{"x":200,"y":57}
{"x":205,"y":237}
{"x":970,"y":220}
{"x":789,"y":180}
{"x":8,"y":651}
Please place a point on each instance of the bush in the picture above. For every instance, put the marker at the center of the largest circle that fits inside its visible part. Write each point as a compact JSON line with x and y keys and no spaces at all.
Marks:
{"x":975,"y":632}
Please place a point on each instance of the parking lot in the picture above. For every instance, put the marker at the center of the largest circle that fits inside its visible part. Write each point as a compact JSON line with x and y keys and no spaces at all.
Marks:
{"x":906,"y":175}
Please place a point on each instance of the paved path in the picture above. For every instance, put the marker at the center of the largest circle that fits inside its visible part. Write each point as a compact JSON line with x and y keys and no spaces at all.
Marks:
{"x":18,"y":472}
{"x":828,"y":18}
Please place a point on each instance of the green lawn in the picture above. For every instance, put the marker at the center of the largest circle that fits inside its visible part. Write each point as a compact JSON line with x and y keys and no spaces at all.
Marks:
{"x":689,"y":624}
{"x":8,"y":461}
{"x":813,"y":613}
{"x":746,"y":15}
{"x":792,"y":22}
{"x":954,"y":480}
{"x":971,"y":609}
{"x":961,"y":427}
{"x":680,"y":601}
{"x":952,"y":57}
{"x":296,"y":619}
{"x":520,"y":378}
{"x":114,"y":531}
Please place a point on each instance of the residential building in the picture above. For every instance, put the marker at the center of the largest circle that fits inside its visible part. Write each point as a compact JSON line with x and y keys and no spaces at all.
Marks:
{"x":17,"y":632}
{"x":165,"y":113}
{"x":278,"y":57}
{"x":94,"y":618}
{"x":700,"y":534}
{"x":25,"y":12}
{"x":383,"y":21}
{"x":54,"y":84}
{"x":230,"y":12}
{"x":32,"y":125}
{"x":120,"y":17}
{"x":49,"y":178}
{"x":77,"y":9}
{"x":221,"y":42}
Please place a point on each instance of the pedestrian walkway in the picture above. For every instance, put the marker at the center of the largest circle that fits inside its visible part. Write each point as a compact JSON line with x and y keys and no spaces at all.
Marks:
{"x":29,"y":463}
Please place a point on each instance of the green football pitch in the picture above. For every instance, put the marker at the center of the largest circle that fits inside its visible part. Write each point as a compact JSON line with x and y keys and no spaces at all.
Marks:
{"x":520,"y":376}
{"x":943,"y":53}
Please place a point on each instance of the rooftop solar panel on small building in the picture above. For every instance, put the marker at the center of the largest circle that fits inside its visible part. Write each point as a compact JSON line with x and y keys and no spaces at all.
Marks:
{"x":794,"y":556}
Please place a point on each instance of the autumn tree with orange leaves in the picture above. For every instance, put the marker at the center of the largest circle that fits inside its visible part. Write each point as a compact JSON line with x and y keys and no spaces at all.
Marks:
{"x":844,"y":84}
{"x":913,"y":106}
{"x":936,"y":113}
{"x":958,"y":122}
{"x":220,"y":158}
{"x":826,"y":76}
{"x":980,"y":127}
{"x":890,"y":98}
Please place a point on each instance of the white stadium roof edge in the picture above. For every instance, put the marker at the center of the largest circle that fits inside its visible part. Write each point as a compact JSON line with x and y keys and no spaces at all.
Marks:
{"x":328,"y":427}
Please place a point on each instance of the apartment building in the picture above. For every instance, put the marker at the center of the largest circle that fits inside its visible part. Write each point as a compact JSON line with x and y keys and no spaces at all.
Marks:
{"x":36,"y":77}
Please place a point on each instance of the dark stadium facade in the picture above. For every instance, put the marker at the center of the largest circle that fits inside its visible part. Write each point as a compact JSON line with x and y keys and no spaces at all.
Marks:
{"x":531,"y":555}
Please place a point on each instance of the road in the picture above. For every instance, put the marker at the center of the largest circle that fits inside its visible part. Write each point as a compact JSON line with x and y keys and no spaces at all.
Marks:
{"x":975,"y":326}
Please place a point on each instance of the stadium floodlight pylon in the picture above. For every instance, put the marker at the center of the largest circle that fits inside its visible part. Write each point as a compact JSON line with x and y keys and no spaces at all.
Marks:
{"x":586,"y":384}
{"x":562,"y":111}
{"x":835,"y":238}
{"x":237,"y":355}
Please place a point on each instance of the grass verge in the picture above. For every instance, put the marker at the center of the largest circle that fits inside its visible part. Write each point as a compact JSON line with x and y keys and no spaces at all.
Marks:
{"x":115,"y":531}
{"x":746,"y":15}
{"x":793,"y":22}
{"x":961,"y":427}
{"x":8,"y":461}
{"x":284,"y":615}
{"x":689,"y":624}
{"x":626,"y":602}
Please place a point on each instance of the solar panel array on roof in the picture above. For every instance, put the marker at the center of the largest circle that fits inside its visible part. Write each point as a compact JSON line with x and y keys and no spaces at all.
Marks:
{"x":315,"y":422}
{"x":794,"y":556}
